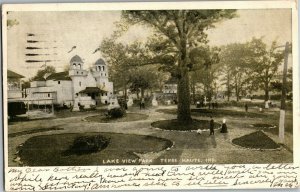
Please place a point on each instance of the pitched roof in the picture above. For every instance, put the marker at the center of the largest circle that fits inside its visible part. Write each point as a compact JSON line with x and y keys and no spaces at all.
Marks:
{"x":100,"y":62}
{"x":11,"y":74}
{"x":76,"y":58}
{"x":92,"y":90}
{"x":59,"y":76}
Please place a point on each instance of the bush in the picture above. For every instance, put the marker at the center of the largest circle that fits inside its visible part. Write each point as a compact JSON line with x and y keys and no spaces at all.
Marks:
{"x":93,"y":107}
{"x":116,"y":113}
{"x":88,"y":144}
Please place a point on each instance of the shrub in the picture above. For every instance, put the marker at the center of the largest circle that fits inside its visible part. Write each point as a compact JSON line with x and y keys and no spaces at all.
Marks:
{"x":116,"y":112}
{"x":88,"y":144}
{"x":93,"y":107}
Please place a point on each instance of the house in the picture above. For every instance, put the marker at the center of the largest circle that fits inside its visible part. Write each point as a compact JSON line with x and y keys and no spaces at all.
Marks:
{"x":76,"y":87}
{"x":14,"y":86}
{"x":15,"y":104}
{"x":170,"y":86}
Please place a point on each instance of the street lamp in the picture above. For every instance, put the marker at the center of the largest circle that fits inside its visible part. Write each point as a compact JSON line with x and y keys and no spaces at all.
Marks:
{"x":283,"y":94}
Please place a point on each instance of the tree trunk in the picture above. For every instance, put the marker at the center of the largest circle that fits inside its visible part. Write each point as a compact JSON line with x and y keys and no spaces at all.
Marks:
{"x":183,"y":91}
{"x":183,"y":88}
{"x":266,"y":91}
{"x":193,"y":89}
{"x":228,"y":89}
{"x":125,"y":91}
{"x":142,"y":93}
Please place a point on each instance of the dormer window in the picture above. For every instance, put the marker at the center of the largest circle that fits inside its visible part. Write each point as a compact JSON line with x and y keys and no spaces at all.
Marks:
{"x":58,"y":82}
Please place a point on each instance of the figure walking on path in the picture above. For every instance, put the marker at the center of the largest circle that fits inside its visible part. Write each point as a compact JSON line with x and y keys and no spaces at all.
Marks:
{"x":211,"y":126}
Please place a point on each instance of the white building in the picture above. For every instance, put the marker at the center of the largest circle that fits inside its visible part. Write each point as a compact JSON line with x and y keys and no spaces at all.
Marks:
{"x":77,"y":87}
{"x":170,"y":86}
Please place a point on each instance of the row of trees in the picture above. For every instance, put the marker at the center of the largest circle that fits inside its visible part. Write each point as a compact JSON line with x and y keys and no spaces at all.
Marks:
{"x":247,"y":67}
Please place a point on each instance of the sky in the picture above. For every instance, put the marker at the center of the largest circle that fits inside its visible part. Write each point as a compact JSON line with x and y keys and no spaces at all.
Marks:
{"x":58,"y":32}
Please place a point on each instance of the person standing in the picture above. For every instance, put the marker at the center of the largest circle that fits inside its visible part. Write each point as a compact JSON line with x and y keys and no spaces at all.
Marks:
{"x":246,"y":107}
{"x":211,"y":126}
{"x":143,"y":103}
{"x":224,"y":127}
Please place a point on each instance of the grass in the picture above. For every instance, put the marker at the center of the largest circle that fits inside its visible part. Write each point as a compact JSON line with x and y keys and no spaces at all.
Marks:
{"x":49,"y":150}
{"x":173,"y":124}
{"x":263,"y":125}
{"x":216,"y":113}
{"x":128,"y":117}
{"x":33,"y":131}
{"x":64,"y":113}
{"x":271,"y":118}
{"x":256,"y":140}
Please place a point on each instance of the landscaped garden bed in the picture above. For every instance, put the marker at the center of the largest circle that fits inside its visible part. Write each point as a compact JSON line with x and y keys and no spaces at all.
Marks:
{"x":101,"y":149}
{"x":175,"y":125}
{"x":256,"y":140}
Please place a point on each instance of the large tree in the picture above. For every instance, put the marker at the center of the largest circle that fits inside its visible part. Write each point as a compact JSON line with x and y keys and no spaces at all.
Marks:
{"x":264,"y":62}
{"x":205,"y":70}
{"x":176,"y":33}
{"x":235,"y":58}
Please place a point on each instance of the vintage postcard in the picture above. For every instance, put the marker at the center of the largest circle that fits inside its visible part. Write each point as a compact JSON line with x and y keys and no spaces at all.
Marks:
{"x":133,"y":96}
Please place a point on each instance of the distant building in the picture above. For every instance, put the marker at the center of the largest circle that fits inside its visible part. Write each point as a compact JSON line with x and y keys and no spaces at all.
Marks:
{"x":170,"y":86}
{"x":14,"y":86}
{"x":15,"y":104}
{"x":77,"y":87}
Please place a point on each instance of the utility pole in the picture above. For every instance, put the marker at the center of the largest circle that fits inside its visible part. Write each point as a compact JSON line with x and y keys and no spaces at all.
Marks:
{"x":283,"y":95}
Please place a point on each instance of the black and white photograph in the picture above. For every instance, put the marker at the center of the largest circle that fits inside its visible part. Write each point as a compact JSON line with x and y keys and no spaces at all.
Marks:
{"x":136,"y":86}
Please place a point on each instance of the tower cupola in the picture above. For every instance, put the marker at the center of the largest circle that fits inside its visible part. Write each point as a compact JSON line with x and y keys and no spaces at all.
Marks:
{"x":76,"y":62}
{"x":101,"y":67}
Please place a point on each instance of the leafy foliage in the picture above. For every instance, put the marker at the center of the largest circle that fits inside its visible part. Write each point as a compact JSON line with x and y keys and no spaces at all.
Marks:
{"x":176,"y":33}
{"x":41,"y":73}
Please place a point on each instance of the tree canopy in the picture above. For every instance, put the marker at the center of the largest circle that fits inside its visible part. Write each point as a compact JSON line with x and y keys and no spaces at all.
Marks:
{"x":176,"y":33}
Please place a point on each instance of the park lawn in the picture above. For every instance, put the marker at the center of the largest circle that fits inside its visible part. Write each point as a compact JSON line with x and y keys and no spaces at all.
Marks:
{"x":173,"y":124}
{"x":49,"y":150}
{"x":271,"y":118}
{"x":65,"y":113}
{"x":128,"y":117}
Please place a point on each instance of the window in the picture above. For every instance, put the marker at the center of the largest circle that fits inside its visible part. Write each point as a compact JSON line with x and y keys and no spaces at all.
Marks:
{"x":103,"y":68}
{"x":81,"y":73}
{"x":48,"y":94}
{"x":104,"y":74}
{"x":79,"y":66}
{"x":99,"y":69}
{"x":79,"y":83}
{"x":58,"y":82}
{"x":76,"y":94}
{"x":101,"y":74}
{"x":77,"y":72}
{"x":74,"y":65}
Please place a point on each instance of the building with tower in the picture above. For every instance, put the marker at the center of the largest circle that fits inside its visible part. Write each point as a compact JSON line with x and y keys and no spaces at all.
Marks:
{"x":77,"y":87}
